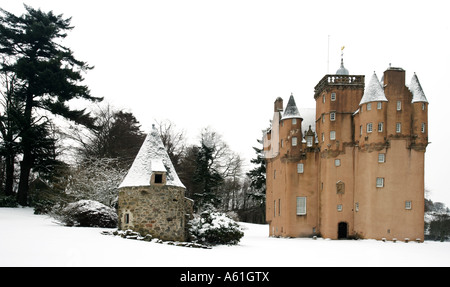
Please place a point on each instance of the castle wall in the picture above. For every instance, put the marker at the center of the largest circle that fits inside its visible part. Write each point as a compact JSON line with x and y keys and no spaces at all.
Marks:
{"x":156,"y":210}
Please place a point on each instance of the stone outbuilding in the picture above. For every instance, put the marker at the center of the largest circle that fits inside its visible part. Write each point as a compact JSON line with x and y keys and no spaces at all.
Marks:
{"x":152,"y":197}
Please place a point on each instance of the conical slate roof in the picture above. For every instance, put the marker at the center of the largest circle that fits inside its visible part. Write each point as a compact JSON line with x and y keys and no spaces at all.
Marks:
{"x":373,"y":92}
{"x":151,"y":157}
{"x":291,"y":110}
{"x":416,"y":90}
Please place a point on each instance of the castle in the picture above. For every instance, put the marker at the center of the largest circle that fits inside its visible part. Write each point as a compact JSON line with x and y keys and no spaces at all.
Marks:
{"x":151,"y":197}
{"x":354,"y":167}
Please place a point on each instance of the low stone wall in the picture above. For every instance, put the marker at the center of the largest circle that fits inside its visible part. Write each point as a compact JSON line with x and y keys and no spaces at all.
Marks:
{"x":156,"y":210}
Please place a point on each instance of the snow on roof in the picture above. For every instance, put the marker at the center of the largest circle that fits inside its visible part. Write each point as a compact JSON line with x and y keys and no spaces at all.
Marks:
{"x":291,"y":110}
{"x":416,"y":90}
{"x":373,"y":92}
{"x":151,"y":157}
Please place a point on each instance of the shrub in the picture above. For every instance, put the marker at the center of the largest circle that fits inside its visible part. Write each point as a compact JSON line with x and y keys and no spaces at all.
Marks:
{"x":215,"y":228}
{"x":87,"y":213}
{"x":8,"y":201}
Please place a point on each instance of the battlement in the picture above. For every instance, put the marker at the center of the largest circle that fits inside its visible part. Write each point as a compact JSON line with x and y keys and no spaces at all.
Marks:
{"x":338,"y":80}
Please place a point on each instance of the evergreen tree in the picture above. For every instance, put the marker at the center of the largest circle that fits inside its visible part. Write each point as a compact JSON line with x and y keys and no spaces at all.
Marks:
{"x":258,"y":176}
{"x":48,"y":76}
{"x":206,"y":178}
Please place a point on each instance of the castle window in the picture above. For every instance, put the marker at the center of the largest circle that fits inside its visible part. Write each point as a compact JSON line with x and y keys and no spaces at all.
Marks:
{"x":357,"y":206}
{"x":380,"y":127}
{"x":369,"y":127}
{"x":323,"y":99}
{"x":379,"y":105}
{"x":381,"y":157}
{"x":294,"y":121}
{"x":300,"y":168}
{"x":380,"y":181}
{"x":301,"y":205}
{"x":408,"y":205}
{"x":337,"y":162}
{"x":294,"y":141}
{"x":398,"y":127}
{"x":399,"y":105}
{"x":127,"y":218}
{"x":369,"y":106}
{"x":332,"y":135}
{"x":323,"y":137}
{"x":274,"y":174}
{"x":333,"y":96}
{"x":309,"y":141}
{"x":360,"y":130}
{"x":423,"y":106}
{"x":340,"y":187}
{"x":158,"y":178}
{"x":332,"y":116}
{"x":339,"y":207}
{"x":423,"y":128}
{"x":323,"y":118}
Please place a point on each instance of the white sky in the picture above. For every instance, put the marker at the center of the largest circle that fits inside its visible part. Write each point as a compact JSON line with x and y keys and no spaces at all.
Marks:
{"x":222,"y":63}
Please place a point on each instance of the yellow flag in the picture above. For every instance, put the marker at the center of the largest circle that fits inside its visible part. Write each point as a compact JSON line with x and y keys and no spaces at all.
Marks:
{"x":342,"y":49}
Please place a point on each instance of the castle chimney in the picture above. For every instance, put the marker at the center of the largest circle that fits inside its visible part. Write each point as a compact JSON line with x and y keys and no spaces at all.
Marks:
{"x":278,"y":105}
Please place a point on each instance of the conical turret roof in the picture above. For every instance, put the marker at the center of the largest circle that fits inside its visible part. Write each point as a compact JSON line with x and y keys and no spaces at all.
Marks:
{"x":416,"y":90}
{"x":373,"y":92}
{"x":291,"y":110}
{"x":152,"y":157}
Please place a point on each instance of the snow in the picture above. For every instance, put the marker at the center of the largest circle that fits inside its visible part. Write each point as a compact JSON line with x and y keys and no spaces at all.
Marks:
{"x":373,"y":92}
{"x":291,"y":110}
{"x":36,"y":240}
{"x":416,"y":90}
{"x":151,"y":157}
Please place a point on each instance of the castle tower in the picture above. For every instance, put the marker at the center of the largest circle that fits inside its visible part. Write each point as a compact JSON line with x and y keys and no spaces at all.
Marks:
{"x":151,"y":197}
{"x":292,"y":175}
{"x":389,"y":165}
{"x":337,"y":98}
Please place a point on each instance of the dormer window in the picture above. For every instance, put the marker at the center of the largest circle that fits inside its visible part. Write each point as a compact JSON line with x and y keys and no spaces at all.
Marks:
{"x":158,"y":172}
{"x":158,"y":178}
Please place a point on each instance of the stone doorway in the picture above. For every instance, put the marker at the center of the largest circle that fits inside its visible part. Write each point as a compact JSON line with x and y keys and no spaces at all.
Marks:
{"x":342,"y":230}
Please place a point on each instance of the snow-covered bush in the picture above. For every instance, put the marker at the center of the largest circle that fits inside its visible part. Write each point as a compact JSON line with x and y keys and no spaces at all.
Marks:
{"x":87,"y":213}
{"x":214,"y":228}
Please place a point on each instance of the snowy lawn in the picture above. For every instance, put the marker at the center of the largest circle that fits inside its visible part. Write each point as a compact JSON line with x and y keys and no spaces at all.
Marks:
{"x":36,"y":240}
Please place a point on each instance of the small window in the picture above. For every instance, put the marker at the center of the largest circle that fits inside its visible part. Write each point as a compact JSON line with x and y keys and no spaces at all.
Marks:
{"x":337,"y":162}
{"x":423,"y":106}
{"x":423,"y":128}
{"x":369,"y":127}
{"x":408,"y":205}
{"x":332,"y":135}
{"x":360,"y":130}
{"x":379,"y":105}
{"x":333,"y":96}
{"x":158,"y":178}
{"x":282,"y":143}
{"x":309,"y":141}
{"x":380,"y":127}
{"x":294,"y":121}
{"x":301,"y":205}
{"x":300,"y":168}
{"x":294,"y":141}
{"x":332,"y":116}
{"x":357,"y":206}
{"x":323,"y":99}
{"x":279,"y":207}
{"x":323,"y":137}
{"x":339,"y":207}
{"x":323,"y":118}
{"x":399,"y":105}
{"x":127,"y":218}
{"x":274,"y":208}
{"x":369,"y":106}
{"x":381,"y":157}
{"x":380,"y":182}
{"x":274,"y":174}
{"x":398,"y":127}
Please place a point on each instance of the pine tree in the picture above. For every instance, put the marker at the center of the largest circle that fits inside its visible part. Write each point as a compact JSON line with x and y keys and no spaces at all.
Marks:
{"x":47,"y":73}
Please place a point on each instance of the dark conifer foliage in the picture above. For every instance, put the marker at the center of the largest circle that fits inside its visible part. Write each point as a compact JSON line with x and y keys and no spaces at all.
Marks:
{"x":47,"y":77}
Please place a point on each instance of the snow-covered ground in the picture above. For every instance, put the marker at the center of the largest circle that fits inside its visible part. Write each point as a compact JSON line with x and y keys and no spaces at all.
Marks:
{"x":36,"y":240}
